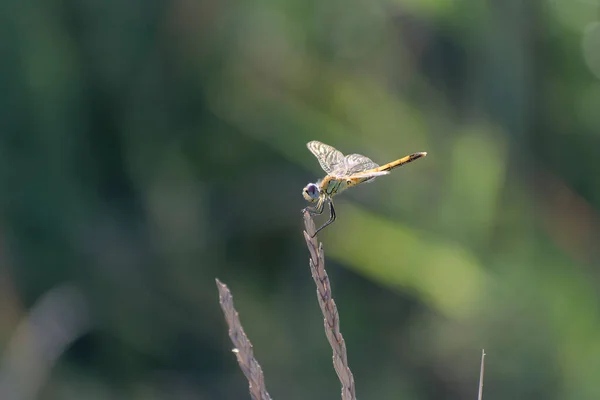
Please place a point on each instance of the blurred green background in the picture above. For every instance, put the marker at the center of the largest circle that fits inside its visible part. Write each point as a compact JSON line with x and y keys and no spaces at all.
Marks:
{"x":148,"y":147}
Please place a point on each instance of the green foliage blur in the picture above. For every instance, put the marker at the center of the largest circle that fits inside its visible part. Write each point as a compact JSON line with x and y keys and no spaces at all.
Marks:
{"x":149,"y":147}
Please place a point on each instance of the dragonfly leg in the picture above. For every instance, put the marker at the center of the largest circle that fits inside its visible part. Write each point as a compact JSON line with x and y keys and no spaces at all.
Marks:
{"x":318,"y":209}
{"x":331,"y":218}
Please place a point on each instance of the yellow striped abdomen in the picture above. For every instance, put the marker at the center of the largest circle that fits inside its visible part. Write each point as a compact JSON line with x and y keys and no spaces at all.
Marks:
{"x":400,"y":162}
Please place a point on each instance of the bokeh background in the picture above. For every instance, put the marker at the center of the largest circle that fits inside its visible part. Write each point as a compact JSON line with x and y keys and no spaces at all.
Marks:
{"x":149,"y":147}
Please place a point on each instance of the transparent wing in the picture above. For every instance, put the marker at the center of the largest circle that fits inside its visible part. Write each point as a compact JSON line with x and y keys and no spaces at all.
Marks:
{"x":331,"y":160}
{"x":356,"y":163}
{"x":370,"y":174}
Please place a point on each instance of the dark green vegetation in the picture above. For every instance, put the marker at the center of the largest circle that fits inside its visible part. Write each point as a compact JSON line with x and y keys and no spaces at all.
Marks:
{"x":148,"y":147}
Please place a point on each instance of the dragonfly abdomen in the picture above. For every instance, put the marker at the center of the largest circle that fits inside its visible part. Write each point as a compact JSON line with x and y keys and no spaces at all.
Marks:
{"x":400,"y":162}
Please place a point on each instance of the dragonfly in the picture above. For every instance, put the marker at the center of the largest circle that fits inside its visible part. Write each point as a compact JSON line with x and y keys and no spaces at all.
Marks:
{"x":343,"y":172}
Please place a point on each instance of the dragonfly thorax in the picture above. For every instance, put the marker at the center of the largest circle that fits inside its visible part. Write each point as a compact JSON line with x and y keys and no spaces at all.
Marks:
{"x":311,"y":192}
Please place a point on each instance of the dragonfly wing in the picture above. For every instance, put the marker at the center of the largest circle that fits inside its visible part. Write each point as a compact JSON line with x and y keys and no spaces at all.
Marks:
{"x":331,"y":160}
{"x":358,"y":163}
{"x":369,"y":174}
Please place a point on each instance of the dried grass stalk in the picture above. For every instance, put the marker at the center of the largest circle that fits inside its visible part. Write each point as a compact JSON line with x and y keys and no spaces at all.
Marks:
{"x":480,"y":394}
{"x":329,"y":309}
{"x":243,"y":347}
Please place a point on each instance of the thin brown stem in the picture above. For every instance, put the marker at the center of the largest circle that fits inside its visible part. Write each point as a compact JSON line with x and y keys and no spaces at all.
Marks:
{"x":329,"y":309}
{"x":243,"y":347}
{"x":480,"y":396}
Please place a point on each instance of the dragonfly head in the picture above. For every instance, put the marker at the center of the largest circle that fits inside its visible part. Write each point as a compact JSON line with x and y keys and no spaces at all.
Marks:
{"x":311,"y":192}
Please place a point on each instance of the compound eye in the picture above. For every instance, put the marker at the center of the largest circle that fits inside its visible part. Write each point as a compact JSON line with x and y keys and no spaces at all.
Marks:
{"x":312,"y":190}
